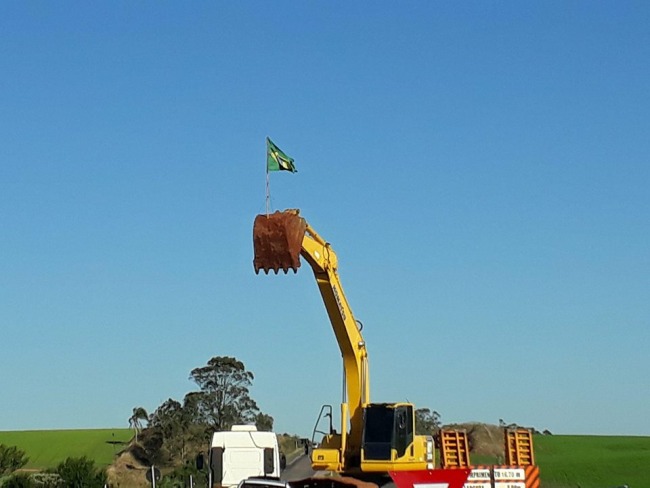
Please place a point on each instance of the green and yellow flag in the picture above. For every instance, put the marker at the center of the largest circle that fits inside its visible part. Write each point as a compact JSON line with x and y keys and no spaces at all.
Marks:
{"x":276,"y":160}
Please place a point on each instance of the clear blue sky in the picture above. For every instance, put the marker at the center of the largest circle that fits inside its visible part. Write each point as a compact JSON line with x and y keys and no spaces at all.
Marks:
{"x":481,"y":169}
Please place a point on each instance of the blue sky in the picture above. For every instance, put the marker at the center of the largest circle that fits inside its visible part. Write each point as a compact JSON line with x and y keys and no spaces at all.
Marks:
{"x":480,"y":168}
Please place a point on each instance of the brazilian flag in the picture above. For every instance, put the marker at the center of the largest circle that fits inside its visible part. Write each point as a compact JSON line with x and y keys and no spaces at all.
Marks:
{"x":276,"y":160}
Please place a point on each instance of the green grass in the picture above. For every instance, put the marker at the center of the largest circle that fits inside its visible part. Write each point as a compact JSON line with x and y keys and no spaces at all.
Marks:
{"x":593,"y":461}
{"x":47,"y":448}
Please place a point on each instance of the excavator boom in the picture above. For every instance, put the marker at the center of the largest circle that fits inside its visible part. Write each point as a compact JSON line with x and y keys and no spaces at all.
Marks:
{"x":279,"y":240}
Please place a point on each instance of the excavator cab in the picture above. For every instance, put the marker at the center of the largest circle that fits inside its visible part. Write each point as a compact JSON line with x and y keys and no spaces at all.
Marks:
{"x":387,"y":431}
{"x":387,"y":440}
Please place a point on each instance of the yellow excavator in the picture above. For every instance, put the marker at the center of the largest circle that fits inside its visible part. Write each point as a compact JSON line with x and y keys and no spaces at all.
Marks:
{"x":375,"y":438}
{"x":377,"y":441}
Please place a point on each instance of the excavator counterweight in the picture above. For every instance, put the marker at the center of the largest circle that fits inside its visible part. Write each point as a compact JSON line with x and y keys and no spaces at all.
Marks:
{"x":277,"y":241}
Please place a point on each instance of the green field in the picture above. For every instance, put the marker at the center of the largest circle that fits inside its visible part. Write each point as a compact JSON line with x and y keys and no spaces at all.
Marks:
{"x":593,"y":461}
{"x":589,"y":461}
{"x":47,"y":448}
{"x":564,"y":461}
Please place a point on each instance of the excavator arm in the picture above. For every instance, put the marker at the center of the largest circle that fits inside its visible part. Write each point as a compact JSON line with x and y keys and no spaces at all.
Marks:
{"x":375,"y":438}
{"x":279,"y":239}
{"x":324,"y":264}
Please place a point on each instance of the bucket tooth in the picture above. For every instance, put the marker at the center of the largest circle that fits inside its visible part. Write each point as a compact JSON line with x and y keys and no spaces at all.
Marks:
{"x":277,"y":241}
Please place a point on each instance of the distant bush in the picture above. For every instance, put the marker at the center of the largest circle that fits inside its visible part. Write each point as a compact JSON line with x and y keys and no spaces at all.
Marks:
{"x":11,"y":459}
{"x":46,"y":480}
{"x":81,"y":473}
{"x":179,"y":478}
{"x":33,"y":480}
{"x":20,"y":480}
{"x":289,"y":443}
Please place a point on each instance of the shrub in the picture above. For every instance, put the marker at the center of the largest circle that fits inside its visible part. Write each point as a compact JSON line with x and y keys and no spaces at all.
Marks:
{"x":46,"y":480}
{"x":11,"y":459}
{"x":81,"y":473}
{"x":179,"y":478}
{"x":20,"y":480}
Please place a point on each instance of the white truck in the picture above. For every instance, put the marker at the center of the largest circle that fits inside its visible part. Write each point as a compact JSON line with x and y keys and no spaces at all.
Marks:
{"x":241,"y":453}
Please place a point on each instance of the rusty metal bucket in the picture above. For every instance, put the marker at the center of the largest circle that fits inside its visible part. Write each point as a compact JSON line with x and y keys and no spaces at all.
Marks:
{"x":277,"y":241}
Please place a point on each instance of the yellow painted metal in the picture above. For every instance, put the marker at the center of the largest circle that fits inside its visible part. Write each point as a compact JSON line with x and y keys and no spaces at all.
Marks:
{"x":327,"y":458}
{"x":519,"y":447}
{"x":454,"y":450}
{"x":324,"y":263}
{"x":275,"y":239}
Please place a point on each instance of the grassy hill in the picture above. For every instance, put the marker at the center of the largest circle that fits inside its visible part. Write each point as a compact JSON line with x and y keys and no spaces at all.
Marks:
{"x":47,"y":448}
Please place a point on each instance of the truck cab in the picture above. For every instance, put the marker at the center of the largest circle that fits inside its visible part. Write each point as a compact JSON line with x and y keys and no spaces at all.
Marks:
{"x":241,"y":453}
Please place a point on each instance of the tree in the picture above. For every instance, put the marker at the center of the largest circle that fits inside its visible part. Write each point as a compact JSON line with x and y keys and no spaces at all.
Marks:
{"x":168,"y":418}
{"x":264,"y":422}
{"x":135,"y":420}
{"x":223,"y":399}
{"x":149,"y":450}
{"x":177,"y":423}
{"x":11,"y":459}
{"x":427,"y":422}
{"x":80,"y":473}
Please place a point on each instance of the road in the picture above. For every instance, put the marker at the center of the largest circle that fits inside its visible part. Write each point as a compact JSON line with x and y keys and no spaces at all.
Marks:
{"x":299,"y":469}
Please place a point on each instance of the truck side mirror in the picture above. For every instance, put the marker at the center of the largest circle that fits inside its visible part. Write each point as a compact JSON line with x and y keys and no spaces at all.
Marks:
{"x":283,"y":461}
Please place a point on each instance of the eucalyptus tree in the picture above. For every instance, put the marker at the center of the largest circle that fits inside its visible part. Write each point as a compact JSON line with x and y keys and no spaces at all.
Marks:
{"x":427,"y":422}
{"x":135,"y":420}
{"x":223,"y":399}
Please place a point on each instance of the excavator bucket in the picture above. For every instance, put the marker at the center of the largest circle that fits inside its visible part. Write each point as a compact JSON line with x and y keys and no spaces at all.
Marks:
{"x":277,"y":241}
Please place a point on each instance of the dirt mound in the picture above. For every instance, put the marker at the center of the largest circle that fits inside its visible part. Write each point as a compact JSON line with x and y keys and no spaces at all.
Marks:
{"x":127,"y":472}
{"x":484,"y":439}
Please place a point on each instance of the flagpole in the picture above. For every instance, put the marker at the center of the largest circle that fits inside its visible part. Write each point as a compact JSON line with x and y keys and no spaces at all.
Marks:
{"x":268,"y":192}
